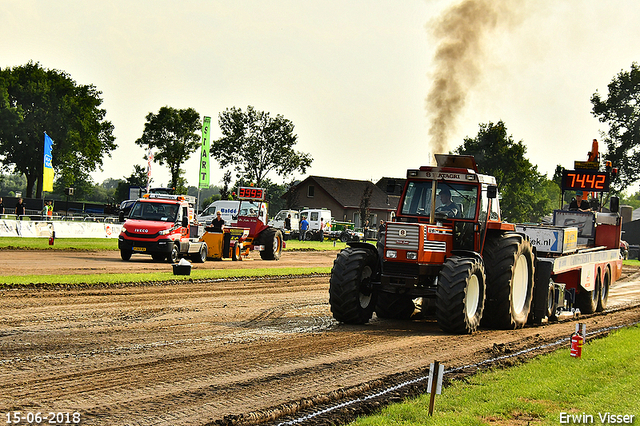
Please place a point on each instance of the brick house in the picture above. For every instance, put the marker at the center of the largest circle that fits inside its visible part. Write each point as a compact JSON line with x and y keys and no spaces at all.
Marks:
{"x":343,"y":198}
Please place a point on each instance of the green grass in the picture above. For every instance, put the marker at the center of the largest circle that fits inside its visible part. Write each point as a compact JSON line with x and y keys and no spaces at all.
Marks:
{"x":59,"y":243}
{"x":93,"y":279}
{"x":604,"y":380}
{"x":112,"y":244}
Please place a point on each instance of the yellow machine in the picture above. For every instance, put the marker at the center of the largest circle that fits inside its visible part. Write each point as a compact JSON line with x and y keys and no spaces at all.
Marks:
{"x":227,"y":244}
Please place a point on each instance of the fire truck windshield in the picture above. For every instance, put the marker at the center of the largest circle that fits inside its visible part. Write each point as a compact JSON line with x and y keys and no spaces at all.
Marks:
{"x":162,"y":212}
{"x":453,"y":200}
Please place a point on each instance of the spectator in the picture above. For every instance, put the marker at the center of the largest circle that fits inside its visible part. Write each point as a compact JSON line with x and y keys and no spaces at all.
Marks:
{"x":287,"y":222}
{"x":304,"y":226}
{"x":1,"y":206}
{"x":321,"y":230}
{"x":20,"y":209}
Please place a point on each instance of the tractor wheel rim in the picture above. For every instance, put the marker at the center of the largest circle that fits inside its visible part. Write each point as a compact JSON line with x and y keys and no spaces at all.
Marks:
{"x":520,"y":284}
{"x":365,"y":298}
{"x":472,"y":298}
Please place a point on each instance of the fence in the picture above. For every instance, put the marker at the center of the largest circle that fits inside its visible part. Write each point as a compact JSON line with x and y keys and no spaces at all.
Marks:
{"x":64,"y":227}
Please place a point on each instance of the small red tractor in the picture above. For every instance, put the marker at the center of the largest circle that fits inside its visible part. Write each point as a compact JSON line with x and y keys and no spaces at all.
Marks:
{"x":467,"y":265}
{"x":250,"y":232}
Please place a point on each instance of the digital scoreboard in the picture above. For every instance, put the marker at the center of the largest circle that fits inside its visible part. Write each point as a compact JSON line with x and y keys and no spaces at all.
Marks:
{"x":585,"y":180}
{"x":250,"y":193}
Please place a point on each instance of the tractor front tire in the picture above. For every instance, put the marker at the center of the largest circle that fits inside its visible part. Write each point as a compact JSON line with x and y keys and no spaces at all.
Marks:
{"x":351,"y":293}
{"x":510,"y":276}
{"x":460,"y":295}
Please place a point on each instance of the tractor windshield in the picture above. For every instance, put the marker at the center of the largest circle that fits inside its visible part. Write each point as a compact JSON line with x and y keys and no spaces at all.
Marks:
{"x":249,"y":208}
{"x":453,"y":200}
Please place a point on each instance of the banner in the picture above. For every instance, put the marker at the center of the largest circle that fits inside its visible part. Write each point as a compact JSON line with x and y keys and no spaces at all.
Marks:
{"x":149,"y":161}
{"x":47,"y":174}
{"x":204,"y":154}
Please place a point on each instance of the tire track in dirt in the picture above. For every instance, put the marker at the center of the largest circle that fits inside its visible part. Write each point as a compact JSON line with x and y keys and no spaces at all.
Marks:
{"x":220,"y":352}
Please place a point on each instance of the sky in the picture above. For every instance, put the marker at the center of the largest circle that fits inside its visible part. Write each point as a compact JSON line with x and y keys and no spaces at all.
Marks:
{"x":356,"y":78}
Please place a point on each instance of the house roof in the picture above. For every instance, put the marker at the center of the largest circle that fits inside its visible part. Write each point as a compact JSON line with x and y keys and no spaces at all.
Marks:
{"x":348,"y":192}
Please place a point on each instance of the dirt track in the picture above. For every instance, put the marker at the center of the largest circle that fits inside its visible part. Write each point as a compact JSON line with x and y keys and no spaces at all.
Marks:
{"x":222,"y":352}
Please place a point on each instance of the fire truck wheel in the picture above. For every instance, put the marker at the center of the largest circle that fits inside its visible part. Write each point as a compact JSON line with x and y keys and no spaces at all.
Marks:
{"x":460,"y":295}
{"x":174,"y":256}
{"x":604,"y":291}
{"x":272,"y":240}
{"x":125,"y":254}
{"x":587,"y":301}
{"x":394,"y":306}
{"x":351,"y":293}
{"x":510,"y":271}
{"x":201,"y":256}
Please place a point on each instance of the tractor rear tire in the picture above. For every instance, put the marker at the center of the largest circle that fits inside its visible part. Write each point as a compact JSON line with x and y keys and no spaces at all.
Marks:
{"x":460,"y":295}
{"x":510,"y":276}
{"x":272,"y":240}
{"x":394,"y":306}
{"x":351,"y":293}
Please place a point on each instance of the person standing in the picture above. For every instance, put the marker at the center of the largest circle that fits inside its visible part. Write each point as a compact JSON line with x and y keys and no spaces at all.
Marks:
{"x":217,"y":224}
{"x":287,"y":222}
{"x":321,"y":230}
{"x":20,"y":209}
{"x":1,"y":206}
{"x":304,"y":226}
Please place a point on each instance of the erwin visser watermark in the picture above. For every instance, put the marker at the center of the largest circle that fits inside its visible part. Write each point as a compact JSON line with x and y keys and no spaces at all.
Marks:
{"x":600,"y":418}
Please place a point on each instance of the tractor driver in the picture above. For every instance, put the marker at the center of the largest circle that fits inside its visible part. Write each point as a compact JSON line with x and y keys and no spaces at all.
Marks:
{"x":447,"y":206}
{"x":217,"y":224}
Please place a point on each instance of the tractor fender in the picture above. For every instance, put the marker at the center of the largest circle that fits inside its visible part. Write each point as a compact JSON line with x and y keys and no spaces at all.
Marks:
{"x":373,"y":249}
{"x":468,"y":253}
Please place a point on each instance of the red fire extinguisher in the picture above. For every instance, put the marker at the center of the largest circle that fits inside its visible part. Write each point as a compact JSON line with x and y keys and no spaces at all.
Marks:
{"x":577,"y":340}
{"x":52,"y":238}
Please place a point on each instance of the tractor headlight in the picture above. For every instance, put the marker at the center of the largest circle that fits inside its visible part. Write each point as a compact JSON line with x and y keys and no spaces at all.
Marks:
{"x":412,"y":255}
{"x":391,"y":254}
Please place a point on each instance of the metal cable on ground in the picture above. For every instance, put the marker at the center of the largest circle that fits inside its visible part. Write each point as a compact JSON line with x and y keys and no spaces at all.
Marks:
{"x":452,"y":370}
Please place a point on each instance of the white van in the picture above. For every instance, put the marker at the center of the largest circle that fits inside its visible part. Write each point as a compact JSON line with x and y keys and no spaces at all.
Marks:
{"x":313,"y":217}
{"x":229,"y":210}
{"x":278,"y":220}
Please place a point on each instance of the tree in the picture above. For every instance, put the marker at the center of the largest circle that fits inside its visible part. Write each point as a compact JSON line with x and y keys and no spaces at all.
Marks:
{"x":137,"y":178}
{"x":621,"y":112}
{"x":524,"y":195}
{"x":255,"y":144}
{"x":172,"y":133}
{"x":34,"y":100}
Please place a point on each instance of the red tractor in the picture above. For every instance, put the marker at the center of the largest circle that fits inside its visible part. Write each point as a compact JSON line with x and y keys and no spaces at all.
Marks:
{"x":448,"y":246}
{"x":252,"y":215}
